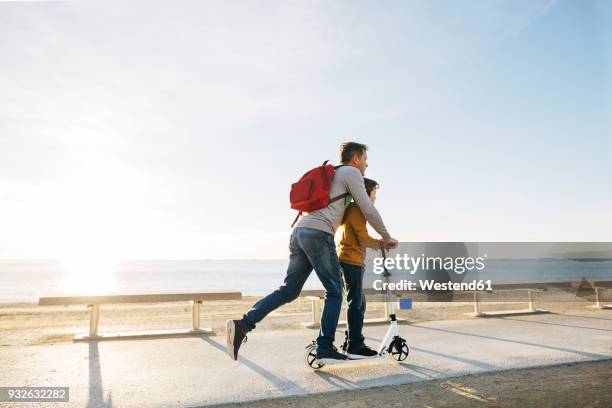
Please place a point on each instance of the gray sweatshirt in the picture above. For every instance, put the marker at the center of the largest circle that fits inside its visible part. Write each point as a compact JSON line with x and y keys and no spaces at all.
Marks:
{"x":328,"y":219}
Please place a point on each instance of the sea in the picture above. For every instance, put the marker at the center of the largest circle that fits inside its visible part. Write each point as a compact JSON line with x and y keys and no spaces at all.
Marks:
{"x":26,"y":280}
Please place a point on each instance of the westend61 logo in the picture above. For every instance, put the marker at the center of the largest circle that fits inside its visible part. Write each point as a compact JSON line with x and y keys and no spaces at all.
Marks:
{"x":430,"y":265}
{"x":459,"y":265}
{"x":436,"y":270}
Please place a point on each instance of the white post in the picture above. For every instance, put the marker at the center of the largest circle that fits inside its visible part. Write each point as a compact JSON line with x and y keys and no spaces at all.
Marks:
{"x":195,"y":314}
{"x":530,"y":297}
{"x":597,"y":302}
{"x":387,"y":311}
{"x":476,"y":304}
{"x":94,"y":317}
{"x":316,"y":311}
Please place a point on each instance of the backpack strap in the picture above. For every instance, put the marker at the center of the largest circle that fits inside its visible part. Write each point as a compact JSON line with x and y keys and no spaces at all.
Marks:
{"x":340,"y":197}
{"x":323,"y":172}
{"x":296,"y":218}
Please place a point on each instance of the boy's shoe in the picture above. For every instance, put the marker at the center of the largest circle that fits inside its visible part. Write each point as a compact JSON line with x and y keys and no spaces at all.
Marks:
{"x":235,"y":337}
{"x":361,"y":353}
{"x":330,"y":357}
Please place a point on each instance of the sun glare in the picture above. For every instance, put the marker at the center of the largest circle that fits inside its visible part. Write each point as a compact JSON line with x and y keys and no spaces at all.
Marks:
{"x":91,"y":217}
{"x":88,"y":276}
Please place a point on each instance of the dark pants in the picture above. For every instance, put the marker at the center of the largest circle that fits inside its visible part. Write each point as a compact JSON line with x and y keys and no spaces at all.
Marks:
{"x":309,"y":248}
{"x":353,"y":283}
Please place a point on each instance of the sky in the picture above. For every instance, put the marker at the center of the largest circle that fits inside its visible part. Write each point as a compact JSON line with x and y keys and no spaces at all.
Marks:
{"x":143,"y":130}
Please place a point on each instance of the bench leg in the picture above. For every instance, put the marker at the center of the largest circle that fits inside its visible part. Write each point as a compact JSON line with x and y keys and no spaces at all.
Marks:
{"x":94,"y":317}
{"x":530,"y":298}
{"x":476,"y":304}
{"x":316,"y":312}
{"x":195,"y":314}
{"x":387,"y":311}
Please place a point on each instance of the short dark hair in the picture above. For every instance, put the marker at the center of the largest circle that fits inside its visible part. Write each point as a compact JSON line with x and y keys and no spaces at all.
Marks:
{"x":370,"y":185}
{"x":349,"y":149}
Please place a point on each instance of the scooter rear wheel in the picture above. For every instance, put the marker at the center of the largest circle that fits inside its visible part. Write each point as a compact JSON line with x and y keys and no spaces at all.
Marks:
{"x":310,"y":356}
{"x":399,"y":350}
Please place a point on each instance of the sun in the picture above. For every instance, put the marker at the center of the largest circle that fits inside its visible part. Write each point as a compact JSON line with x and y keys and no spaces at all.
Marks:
{"x":88,"y":266}
{"x":93,"y":275}
{"x":91,"y":209}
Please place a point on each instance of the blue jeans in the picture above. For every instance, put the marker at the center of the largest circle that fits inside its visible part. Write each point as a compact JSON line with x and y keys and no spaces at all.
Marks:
{"x":353,"y":283}
{"x":309,"y":248}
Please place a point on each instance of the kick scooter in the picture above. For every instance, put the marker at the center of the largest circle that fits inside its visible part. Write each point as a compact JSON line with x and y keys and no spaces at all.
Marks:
{"x":392,"y":343}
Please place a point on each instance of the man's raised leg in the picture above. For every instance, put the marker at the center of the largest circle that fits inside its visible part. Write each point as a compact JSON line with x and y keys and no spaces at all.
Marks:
{"x":297,"y":273}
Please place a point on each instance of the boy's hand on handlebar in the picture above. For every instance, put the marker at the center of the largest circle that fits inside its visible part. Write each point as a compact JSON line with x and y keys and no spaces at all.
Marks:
{"x":389,"y":243}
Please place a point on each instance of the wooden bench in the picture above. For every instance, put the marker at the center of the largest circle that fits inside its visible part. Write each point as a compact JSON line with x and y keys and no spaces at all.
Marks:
{"x":530,"y":288}
{"x":94,"y":302}
{"x":601,"y":285}
{"x":317,"y":297}
{"x":515,"y":312}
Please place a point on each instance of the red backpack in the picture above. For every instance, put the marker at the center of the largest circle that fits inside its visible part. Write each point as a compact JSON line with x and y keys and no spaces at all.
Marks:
{"x":311,"y":192}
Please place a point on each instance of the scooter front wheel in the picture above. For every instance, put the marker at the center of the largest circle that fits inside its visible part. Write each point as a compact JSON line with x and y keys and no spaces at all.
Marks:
{"x":399,"y":350}
{"x":310,"y":356}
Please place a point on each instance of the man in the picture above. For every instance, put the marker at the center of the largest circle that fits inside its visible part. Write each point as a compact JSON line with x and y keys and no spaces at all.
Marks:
{"x":311,"y":247}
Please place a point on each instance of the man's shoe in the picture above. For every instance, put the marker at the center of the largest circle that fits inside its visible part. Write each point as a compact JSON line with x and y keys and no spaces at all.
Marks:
{"x":361,"y":353}
{"x":330,"y":357}
{"x":235,"y":337}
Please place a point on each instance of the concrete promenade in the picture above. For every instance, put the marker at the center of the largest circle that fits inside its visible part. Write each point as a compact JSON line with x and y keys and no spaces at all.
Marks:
{"x":187,"y":372}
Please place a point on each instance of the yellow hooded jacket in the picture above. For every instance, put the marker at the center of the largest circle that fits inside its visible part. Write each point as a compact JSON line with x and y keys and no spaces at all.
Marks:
{"x":355,"y":237}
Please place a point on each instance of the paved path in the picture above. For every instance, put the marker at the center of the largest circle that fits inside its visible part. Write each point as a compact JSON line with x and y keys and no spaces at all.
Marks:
{"x":185,"y":372}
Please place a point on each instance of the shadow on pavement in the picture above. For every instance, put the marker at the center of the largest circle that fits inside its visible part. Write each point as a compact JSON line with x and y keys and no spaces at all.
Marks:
{"x":553,"y":324}
{"x":282,"y":384}
{"x":526,"y":343}
{"x":96,"y":390}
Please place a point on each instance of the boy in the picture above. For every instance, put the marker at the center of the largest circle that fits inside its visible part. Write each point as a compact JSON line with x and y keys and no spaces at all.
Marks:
{"x":351,"y":253}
